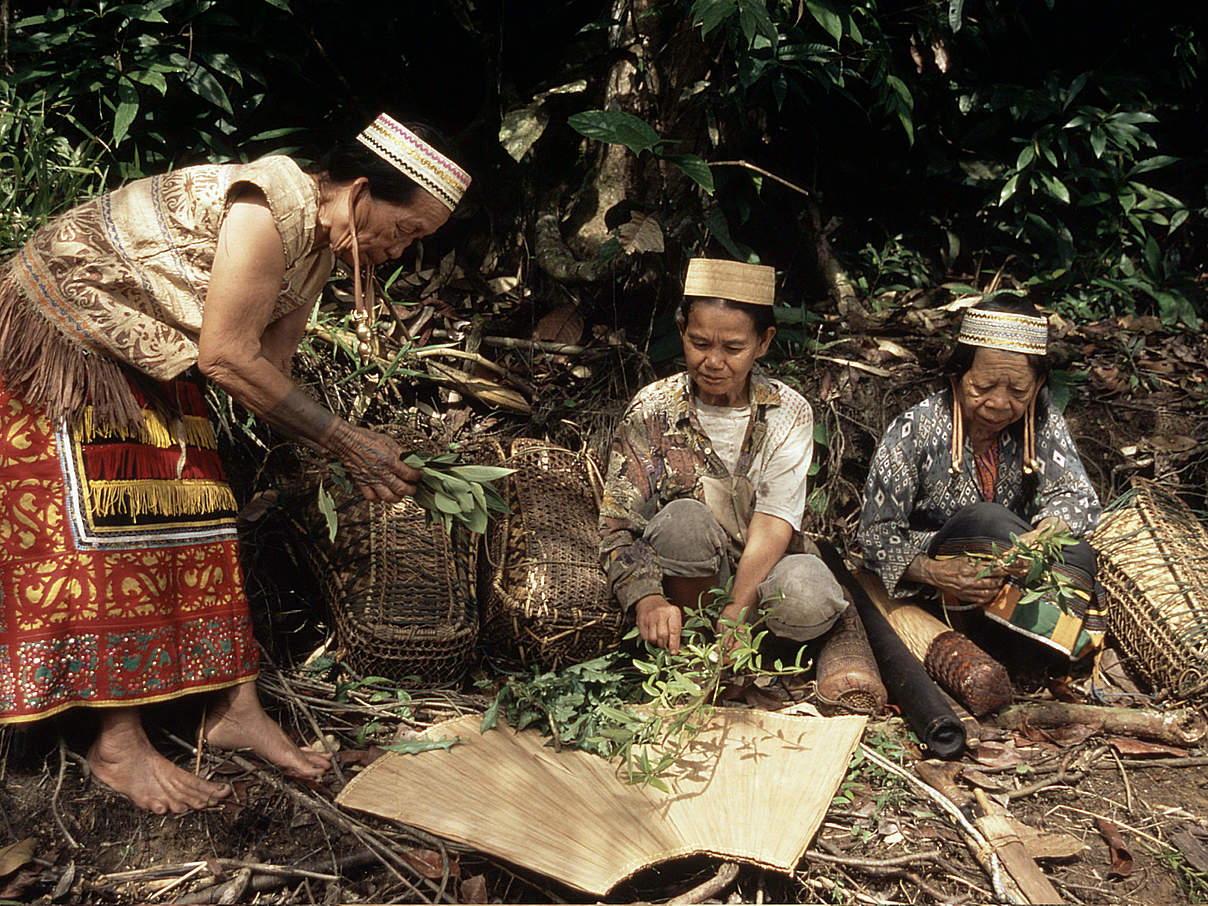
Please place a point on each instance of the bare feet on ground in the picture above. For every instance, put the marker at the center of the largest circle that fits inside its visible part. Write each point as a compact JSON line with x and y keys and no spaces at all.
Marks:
{"x":238,"y":721}
{"x":123,"y":759}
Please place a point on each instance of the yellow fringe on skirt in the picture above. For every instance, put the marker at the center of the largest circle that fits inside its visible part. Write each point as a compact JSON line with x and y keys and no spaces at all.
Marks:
{"x":194,"y":430}
{"x":158,"y":497}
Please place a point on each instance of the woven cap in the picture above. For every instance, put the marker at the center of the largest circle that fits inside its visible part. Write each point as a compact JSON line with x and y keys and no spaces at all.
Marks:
{"x":1005,"y":330}
{"x":733,"y":280}
{"x":406,"y":151}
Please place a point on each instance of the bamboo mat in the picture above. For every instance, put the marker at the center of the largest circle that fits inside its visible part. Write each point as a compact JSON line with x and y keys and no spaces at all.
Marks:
{"x":754,"y":786}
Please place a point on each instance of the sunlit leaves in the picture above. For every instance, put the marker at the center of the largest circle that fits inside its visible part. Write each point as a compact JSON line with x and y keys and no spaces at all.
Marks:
{"x":615,"y":127}
{"x":620,"y":128}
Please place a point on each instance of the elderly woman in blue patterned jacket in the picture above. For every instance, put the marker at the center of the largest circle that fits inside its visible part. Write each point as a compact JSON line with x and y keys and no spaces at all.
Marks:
{"x":988,"y":457}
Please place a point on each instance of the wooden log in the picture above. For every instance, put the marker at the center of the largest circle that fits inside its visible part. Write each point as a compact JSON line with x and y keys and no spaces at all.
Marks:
{"x":1178,"y":728}
{"x":1001,"y":835}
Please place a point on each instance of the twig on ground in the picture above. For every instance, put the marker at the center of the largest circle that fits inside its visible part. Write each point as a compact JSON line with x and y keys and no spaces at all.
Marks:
{"x":978,"y":845}
{"x":726,"y":873}
{"x":195,"y":870}
{"x":938,"y":895}
{"x":324,"y":809}
{"x":201,"y":739}
{"x":1123,"y":777}
{"x":321,"y":737}
{"x":54,"y":800}
{"x":838,"y":858}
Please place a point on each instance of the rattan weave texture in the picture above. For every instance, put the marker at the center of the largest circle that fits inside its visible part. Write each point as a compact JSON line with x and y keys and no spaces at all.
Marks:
{"x":401,"y":591}
{"x":549,"y":603}
{"x":1153,"y":566}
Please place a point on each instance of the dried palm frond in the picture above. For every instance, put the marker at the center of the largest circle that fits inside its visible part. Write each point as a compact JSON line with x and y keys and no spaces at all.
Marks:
{"x":752,"y":785}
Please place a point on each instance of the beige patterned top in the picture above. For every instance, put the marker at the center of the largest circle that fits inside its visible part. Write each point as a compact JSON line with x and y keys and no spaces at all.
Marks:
{"x":126,"y":274}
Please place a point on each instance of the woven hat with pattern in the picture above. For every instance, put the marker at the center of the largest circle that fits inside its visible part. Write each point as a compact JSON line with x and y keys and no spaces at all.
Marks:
{"x":407,"y":152}
{"x":737,"y":281}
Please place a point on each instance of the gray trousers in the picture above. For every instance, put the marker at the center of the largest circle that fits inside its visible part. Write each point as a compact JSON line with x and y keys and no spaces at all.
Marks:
{"x":804,"y":598}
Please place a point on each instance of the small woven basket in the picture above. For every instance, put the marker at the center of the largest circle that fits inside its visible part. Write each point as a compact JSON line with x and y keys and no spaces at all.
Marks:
{"x":401,"y":590}
{"x":1153,"y":566}
{"x":549,"y":603}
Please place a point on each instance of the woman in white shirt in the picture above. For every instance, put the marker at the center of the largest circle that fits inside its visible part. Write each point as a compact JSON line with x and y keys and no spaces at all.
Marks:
{"x":707,"y":475}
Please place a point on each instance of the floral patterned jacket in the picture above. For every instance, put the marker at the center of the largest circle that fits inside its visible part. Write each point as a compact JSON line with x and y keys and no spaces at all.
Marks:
{"x":660,"y":454}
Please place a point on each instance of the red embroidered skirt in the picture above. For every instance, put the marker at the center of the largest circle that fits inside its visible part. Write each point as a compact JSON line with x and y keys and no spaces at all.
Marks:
{"x":119,"y":563}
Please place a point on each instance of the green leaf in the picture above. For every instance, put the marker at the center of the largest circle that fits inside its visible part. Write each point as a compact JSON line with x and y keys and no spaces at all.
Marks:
{"x":445,"y":503}
{"x":328,"y":508}
{"x":152,"y":79}
{"x":204,"y":85}
{"x":1153,"y":163}
{"x":480,"y":473}
{"x":280,"y":4}
{"x":695,"y":168}
{"x":615,"y":127}
{"x":826,"y":17}
{"x":1026,"y":156}
{"x":1056,"y":188}
{"x":708,"y":14}
{"x":127,"y":109}
{"x":754,"y":20}
{"x":421,"y":744}
{"x":1008,"y":190}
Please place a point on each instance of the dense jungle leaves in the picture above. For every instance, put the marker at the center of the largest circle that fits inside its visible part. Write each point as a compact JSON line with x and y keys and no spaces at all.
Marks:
{"x":926,"y":142}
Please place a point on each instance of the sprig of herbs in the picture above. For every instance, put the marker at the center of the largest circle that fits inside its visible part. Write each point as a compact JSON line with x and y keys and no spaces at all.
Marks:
{"x":450,"y":490}
{"x":1032,"y":566}
{"x":641,"y":708}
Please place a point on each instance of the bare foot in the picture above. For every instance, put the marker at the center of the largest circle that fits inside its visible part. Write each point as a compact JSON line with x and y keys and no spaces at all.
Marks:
{"x":238,"y":721}
{"x":123,"y":759}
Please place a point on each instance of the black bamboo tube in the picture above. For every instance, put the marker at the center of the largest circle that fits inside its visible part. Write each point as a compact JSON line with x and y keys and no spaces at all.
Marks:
{"x":921,"y":701}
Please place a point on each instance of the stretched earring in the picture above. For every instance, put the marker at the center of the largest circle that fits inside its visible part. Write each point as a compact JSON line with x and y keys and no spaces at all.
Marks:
{"x":958,"y":431}
{"x":362,"y":281}
{"x":1030,"y":463}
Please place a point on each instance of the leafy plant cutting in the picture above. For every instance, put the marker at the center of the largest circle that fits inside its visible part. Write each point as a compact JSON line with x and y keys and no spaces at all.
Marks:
{"x":450,"y":490}
{"x":642,"y":708}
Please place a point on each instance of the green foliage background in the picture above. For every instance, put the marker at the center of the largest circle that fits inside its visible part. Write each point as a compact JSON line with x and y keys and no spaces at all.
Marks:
{"x":1062,"y":141}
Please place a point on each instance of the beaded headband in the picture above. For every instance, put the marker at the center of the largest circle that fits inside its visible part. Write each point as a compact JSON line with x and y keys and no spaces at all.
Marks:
{"x":406,"y":151}
{"x":1004,"y":330}
{"x":734,"y":280}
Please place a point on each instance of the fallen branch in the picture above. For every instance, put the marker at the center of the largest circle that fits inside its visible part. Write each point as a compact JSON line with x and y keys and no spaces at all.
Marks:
{"x":1180,"y":728}
{"x":725,"y":876}
{"x":277,"y":876}
{"x":926,"y":855}
{"x":978,"y":845}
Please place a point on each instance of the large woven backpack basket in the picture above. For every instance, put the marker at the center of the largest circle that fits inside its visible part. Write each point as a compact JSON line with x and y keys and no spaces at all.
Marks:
{"x":401,"y":590}
{"x":1153,"y":566}
{"x":548,"y":603}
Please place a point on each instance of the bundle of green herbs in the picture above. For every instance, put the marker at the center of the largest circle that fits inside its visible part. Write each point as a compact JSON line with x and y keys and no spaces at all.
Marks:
{"x":641,"y":705}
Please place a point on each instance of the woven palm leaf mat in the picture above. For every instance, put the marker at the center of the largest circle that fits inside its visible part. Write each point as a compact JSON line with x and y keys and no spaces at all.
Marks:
{"x":1153,"y":566}
{"x":754,"y":785}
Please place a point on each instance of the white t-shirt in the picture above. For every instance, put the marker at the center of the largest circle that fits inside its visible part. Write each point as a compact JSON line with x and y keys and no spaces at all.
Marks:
{"x":778,"y":473}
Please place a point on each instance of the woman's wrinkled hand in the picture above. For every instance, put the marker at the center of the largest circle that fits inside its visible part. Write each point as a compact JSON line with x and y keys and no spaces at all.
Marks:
{"x":375,"y":464}
{"x":968,"y":579}
{"x":659,"y":622}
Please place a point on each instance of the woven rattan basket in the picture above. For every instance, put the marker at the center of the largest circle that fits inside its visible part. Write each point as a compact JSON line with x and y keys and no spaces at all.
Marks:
{"x":1153,"y":565}
{"x":401,"y":591}
{"x":548,"y":603}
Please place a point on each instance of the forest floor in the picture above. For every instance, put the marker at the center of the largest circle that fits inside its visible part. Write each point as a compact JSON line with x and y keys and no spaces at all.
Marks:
{"x":1122,"y":820}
